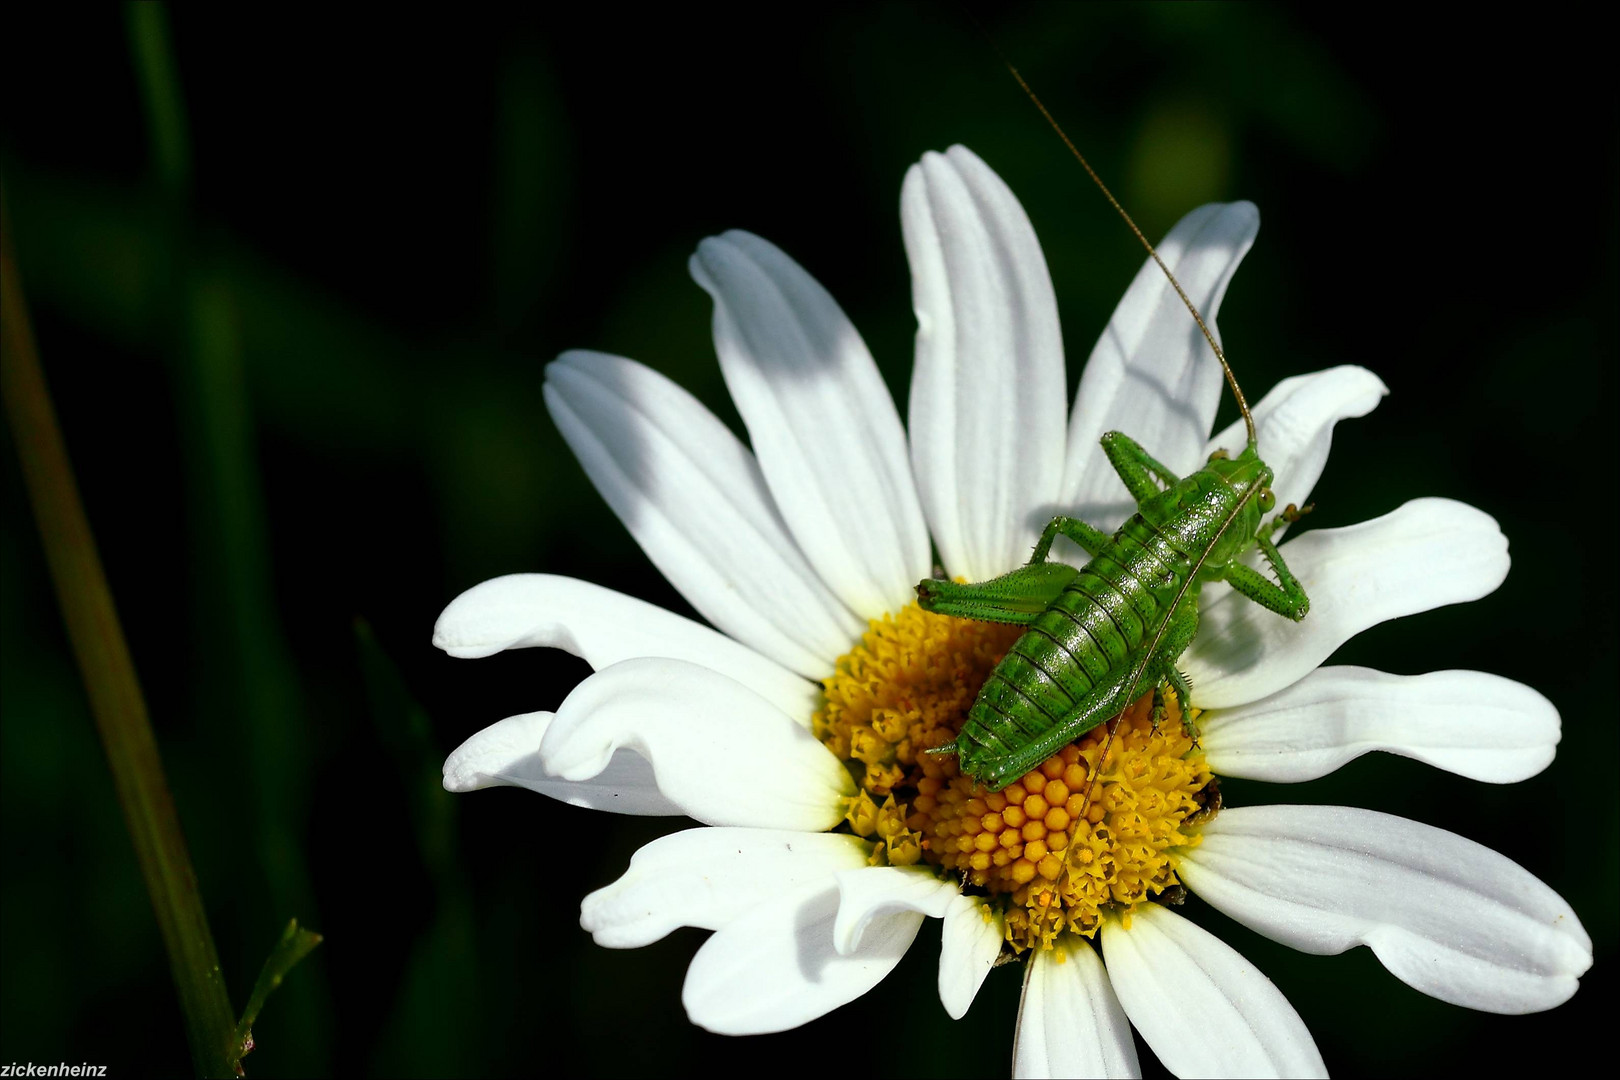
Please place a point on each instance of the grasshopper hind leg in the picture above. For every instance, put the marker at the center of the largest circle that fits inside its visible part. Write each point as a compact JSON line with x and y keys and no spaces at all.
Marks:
{"x":1016,"y":597}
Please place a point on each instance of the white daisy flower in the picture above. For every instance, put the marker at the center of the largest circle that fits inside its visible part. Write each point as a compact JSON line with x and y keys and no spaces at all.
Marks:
{"x":792,"y":729}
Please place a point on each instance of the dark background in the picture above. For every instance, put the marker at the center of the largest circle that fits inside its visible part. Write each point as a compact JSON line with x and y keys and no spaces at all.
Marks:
{"x":303,"y":401}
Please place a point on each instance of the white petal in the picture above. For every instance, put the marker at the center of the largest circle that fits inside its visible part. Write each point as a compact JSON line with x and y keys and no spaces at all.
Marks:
{"x":693,"y":497}
{"x":1480,"y":726}
{"x":719,"y":751}
{"x":1427,"y":553}
{"x":709,"y":877}
{"x":1069,"y":1021}
{"x":604,"y":627}
{"x":970,"y":943}
{"x":987,"y":392}
{"x":775,"y":967}
{"x":1446,"y":915}
{"x":871,"y":892}
{"x":507,"y":754}
{"x":1203,"y":1009}
{"x":820,"y":419}
{"x":1152,"y":374}
{"x":1294,"y":426}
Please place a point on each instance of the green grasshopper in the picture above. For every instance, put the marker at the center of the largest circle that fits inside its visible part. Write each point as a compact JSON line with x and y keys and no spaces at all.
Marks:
{"x":1101,"y":636}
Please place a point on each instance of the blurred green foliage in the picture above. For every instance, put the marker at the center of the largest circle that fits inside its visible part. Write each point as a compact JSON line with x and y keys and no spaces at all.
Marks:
{"x":305,"y":391}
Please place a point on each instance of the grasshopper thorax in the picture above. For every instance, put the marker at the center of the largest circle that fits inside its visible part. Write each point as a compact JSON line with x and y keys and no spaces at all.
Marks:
{"x":1242,"y":500}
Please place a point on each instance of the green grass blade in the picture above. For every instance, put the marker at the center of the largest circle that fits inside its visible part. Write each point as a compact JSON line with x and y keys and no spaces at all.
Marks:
{"x":295,"y":944}
{"x":160,"y":93}
{"x":114,"y":692}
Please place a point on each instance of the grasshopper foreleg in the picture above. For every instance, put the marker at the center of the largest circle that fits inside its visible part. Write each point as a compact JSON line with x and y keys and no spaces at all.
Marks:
{"x":1288,"y":515}
{"x":1286,"y":596}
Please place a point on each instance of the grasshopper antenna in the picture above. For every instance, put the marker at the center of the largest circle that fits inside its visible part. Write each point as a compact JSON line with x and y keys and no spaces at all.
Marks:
{"x":1237,"y":392}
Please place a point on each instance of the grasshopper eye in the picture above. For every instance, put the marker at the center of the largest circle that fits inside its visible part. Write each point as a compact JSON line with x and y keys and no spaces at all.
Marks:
{"x":1267,"y":500}
{"x":1219,"y":454}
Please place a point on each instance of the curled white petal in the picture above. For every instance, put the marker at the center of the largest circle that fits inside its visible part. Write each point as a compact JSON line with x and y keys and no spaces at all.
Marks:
{"x":1294,"y":426}
{"x":709,"y":877}
{"x":1069,"y":1021}
{"x":1477,"y":725}
{"x":1203,"y":1008}
{"x":775,"y":968}
{"x":1152,"y":374}
{"x":1425,"y":554}
{"x":871,"y":892}
{"x":820,"y":419}
{"x":719,"y":751}
{"x":987,"y":392}
{"x":507,"y":754}
{"x":694,"y":499}
{"x":970,"y":942}
{"x":603,"y":627}
{"x":1445,"y":915}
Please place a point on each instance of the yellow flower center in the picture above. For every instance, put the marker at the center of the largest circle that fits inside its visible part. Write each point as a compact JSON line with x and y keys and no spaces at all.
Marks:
{"x":1038,"y":850}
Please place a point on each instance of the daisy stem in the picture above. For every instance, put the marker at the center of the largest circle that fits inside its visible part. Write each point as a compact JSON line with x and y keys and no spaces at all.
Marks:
{"x":109,"y":677}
